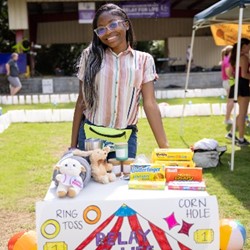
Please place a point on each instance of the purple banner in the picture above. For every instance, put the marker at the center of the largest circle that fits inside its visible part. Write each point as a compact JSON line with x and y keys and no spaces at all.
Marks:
{"x":22,"y":62}
{"x":86,"y":12}
{"x":150,"y":9}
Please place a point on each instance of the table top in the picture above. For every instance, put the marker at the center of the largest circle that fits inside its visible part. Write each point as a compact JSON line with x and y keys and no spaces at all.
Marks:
{"x":119,"y":190}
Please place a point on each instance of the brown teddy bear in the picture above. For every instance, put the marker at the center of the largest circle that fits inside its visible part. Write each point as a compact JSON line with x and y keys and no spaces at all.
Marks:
{"x":99,"y":165}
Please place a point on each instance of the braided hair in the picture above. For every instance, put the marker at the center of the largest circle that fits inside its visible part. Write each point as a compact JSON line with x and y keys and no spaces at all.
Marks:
{"x":96,"y":54}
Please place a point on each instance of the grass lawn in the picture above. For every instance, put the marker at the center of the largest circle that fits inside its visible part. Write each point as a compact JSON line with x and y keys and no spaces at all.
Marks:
{"x":29,"y":151}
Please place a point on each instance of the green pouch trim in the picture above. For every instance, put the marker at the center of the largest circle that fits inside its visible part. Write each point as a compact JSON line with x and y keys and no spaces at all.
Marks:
{"x":231,"y":81}
{"x":108,"y":134}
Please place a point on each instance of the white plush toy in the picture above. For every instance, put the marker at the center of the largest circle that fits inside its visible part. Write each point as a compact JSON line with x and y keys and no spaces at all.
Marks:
{"x":69,"y":180}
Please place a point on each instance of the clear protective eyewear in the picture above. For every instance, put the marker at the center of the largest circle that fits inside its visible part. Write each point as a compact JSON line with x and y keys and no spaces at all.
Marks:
{"x":101,"y":31}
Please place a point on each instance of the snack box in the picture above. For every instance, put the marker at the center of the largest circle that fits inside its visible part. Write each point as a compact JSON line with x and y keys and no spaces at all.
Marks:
{"x":172,"y":154}
{"x":187,"y":185}
{"x":183,"y":174}
{"x":187,"y":164}
{"x":147,"y":172}
{"x":151,"y":185}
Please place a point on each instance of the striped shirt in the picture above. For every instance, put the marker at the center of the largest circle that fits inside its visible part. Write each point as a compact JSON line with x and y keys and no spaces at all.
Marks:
{"x":119,"y":87}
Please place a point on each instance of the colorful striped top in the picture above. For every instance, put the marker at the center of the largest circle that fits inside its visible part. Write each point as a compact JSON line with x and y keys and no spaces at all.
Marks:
{"x":119,"y":84}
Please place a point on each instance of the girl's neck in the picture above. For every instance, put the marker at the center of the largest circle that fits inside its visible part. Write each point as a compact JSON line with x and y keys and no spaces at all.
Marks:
{"x":120,"y":50}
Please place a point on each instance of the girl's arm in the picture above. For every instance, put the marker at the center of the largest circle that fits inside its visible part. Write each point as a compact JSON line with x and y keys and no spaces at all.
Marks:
{"x":78,"y":113}
{"x":153,"y":114}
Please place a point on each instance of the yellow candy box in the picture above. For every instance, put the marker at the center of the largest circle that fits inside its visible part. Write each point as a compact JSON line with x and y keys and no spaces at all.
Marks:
{"x":187,"y":164}
{"x":147,"y":176}
{"x":147,"y":172}
{"x":172,"y":154}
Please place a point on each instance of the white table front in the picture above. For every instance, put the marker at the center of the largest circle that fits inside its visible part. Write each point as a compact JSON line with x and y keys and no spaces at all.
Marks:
{"x":112,"y":216}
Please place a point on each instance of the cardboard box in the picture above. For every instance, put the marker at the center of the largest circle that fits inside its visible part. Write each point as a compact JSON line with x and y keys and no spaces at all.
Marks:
{"x":172,"y":154}
{"x":147,"y":172}
{"x":151,"y":185}
{"x":187,"y":185}
{"x":183,"y":174}
{"x":187,"y":164}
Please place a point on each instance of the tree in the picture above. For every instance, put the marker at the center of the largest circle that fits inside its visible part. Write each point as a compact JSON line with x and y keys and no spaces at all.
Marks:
{"x":7,"y":37}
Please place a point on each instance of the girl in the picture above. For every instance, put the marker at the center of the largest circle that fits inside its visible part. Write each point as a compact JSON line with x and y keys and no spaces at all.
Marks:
{"x":225,"y":65}
{"x":243,"y":88}
{"x":112,"y":77}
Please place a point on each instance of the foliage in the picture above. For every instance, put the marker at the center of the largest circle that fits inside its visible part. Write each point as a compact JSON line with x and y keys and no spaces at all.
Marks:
{"x":155,"y":47}
{"x":59,"y":59}
{"x":7,"y":37}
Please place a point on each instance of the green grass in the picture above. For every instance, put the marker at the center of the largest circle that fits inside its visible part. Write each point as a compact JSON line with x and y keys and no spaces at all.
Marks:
{"x":29,"y":151}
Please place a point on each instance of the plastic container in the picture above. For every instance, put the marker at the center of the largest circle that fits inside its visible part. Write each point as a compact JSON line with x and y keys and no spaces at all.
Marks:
{"x":117,"y":166}
{"x":91,"y":144}
{"x":121,"y":151}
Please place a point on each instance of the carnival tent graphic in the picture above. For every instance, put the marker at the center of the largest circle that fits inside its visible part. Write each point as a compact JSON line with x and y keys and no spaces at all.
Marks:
{"x":142,"y":232}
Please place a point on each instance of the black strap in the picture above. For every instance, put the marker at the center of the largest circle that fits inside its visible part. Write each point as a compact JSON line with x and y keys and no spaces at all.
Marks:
{"x":109,"y":136}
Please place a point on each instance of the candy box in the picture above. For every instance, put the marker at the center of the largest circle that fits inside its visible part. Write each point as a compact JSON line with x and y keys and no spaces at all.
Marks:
{"x":183,"y":174}
{"x":147,"y":172}
{"x":187,"y":185}
{"x":172,"y":154}
{"x":187,"y":164}
{"x":150,"y":185}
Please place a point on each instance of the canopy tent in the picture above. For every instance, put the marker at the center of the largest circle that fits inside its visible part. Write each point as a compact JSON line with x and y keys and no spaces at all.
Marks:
{"x":225,"y":11}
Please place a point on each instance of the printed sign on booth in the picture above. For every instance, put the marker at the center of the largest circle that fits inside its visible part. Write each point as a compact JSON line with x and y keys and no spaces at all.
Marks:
{"x":175,"y":223}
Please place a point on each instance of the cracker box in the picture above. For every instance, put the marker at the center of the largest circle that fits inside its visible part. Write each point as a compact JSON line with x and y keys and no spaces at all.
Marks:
{"x":183,"y":174}
{"x":187,"y":164}
{"x":172,"y":154}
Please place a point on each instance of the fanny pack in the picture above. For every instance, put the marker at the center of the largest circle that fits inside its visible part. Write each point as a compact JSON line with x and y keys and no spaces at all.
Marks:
{"x":231,"y":81}
{"x":108,"y":134}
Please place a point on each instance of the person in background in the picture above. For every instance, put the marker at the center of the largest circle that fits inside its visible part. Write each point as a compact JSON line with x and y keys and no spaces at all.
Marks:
{"x":188,"y":54}
{"x":243,"y":88}
{"x":12,"y":71}
{"x":112,"y":77}
{"x":225,"y":65}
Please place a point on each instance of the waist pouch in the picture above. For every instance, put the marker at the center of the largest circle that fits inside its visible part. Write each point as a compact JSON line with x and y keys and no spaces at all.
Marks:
{"x":231,"y":81}
{"x":108,"y":134}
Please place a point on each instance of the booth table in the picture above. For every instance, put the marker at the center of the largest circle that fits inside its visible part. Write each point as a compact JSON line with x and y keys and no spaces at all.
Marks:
{"x":112,"y":216}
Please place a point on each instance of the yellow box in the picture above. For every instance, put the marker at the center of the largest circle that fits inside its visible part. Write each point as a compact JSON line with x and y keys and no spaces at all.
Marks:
{"x":147,"y":172}
{"x":187,"y":164}
{"x":172,"y":154}
{"x":151,"y":185}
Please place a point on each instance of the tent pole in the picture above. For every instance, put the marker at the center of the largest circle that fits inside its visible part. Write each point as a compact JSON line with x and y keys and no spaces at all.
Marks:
{"x":187,"y":78}
{"x":236,"y":83}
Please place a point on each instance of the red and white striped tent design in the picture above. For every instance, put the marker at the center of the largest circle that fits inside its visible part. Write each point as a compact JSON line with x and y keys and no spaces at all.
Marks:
{"x":140,"y":226}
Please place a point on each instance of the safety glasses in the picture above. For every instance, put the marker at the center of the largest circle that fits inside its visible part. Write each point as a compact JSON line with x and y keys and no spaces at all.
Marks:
{"x":101,"y":31}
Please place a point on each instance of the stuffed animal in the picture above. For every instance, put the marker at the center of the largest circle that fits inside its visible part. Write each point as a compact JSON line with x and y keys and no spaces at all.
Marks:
{"x":100,"y":168}
{"x":68,"y":177}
